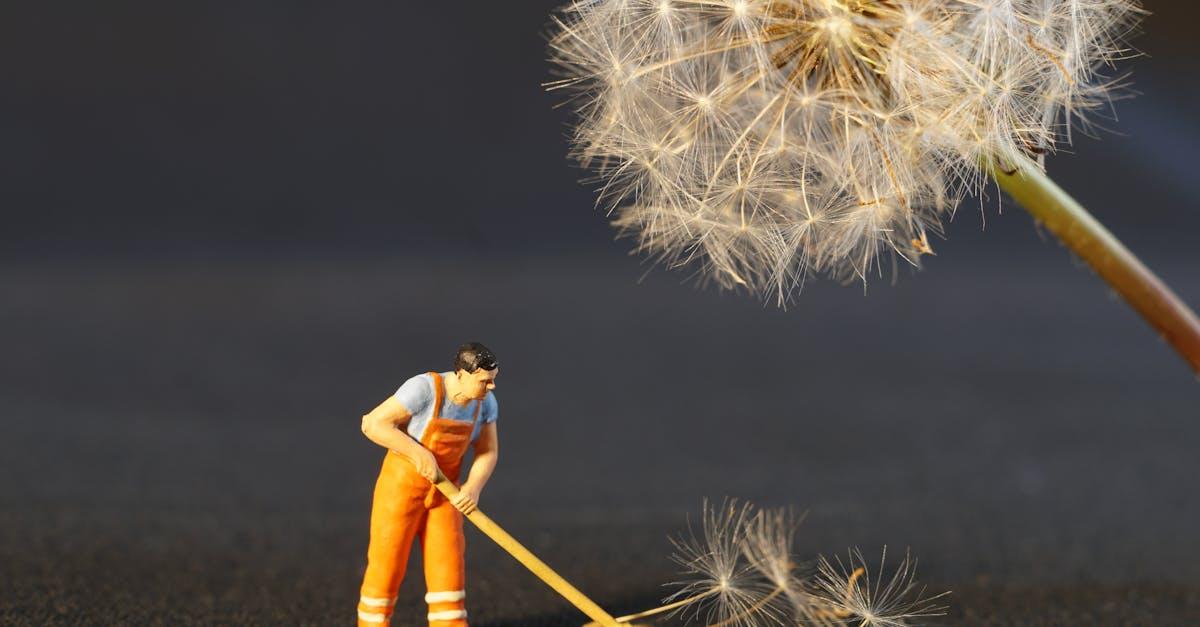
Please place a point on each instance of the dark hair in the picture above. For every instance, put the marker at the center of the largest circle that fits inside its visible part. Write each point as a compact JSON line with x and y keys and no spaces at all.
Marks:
{"x":472,"y":356}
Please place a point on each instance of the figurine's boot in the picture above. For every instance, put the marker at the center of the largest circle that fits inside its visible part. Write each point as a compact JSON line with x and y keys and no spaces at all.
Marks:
{"x":397,"y":513}
{"x":445,"y":570}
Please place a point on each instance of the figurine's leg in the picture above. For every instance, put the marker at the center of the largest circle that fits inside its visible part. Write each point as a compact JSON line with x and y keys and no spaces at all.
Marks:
{"x":397,"y":513}
{"x":445,"y":567}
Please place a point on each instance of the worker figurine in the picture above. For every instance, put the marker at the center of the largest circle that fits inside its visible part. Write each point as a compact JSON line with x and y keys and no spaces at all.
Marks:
{"x":428,"y":424}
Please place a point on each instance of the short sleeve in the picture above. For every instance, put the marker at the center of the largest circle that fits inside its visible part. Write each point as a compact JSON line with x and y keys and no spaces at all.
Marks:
{"x":491,"y":409}
{"x":416,"y":394}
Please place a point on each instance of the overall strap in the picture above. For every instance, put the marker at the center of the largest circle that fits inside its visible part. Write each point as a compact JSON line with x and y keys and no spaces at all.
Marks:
{"x":439,"y":393}
{"x":478,"y":408}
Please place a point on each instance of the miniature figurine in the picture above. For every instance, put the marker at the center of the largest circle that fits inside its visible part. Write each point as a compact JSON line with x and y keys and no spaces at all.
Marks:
{"x":427,"y":425}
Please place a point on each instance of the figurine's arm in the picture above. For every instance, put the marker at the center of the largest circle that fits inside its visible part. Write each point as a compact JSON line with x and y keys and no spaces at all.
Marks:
{"x":487,"y":453}
{"x":385,"y":427}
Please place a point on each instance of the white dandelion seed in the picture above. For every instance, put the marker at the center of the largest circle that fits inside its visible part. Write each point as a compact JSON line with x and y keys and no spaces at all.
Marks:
{"x":765,"y":141}
{"x":769,"y":537}
{"x":852,"y":594}
{"x":741,"y":571}
{"x":721,"y":589}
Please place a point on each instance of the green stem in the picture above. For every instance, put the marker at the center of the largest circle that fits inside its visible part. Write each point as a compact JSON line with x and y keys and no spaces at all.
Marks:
{"x":1075,"y":227}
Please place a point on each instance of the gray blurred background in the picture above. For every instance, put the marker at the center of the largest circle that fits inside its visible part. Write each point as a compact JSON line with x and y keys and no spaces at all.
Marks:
{"x":230,"y":229}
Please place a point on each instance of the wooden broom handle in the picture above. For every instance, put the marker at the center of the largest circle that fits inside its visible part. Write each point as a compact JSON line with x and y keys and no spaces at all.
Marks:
{"x":528,"y":559}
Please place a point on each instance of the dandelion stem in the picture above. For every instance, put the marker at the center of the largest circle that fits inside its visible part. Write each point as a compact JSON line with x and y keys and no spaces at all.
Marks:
{"x":1075,"y":227}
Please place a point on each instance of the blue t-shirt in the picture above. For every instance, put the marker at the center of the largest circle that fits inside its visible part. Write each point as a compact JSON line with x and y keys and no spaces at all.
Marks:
{"x":417,"y":397}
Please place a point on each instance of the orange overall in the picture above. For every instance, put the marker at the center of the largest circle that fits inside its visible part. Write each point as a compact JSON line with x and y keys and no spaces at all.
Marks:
{"x":406,"y":505}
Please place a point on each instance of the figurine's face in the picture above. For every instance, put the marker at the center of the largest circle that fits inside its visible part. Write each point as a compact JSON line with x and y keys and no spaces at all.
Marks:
{"x":476,"y":384}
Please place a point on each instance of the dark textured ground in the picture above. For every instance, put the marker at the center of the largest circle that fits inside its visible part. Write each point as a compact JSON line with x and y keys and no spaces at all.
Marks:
{"x":180,"y":440}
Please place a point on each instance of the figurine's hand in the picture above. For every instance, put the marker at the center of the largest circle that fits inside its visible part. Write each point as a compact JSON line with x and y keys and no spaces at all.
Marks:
{"x":467,"y":499}
{"x":426,"y":464}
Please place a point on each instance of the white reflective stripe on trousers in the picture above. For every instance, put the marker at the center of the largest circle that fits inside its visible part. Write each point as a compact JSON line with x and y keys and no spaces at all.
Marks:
{"x":372,"y":618}
{"x":445,"y":597}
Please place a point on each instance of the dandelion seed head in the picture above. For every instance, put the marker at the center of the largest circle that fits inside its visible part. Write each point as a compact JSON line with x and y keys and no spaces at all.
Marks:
{"x":767,"y":141}
{"x":854,"y":591}
{"x":722,"y":588}
{"x":740,"y":570}
{"x":768,"y":545}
